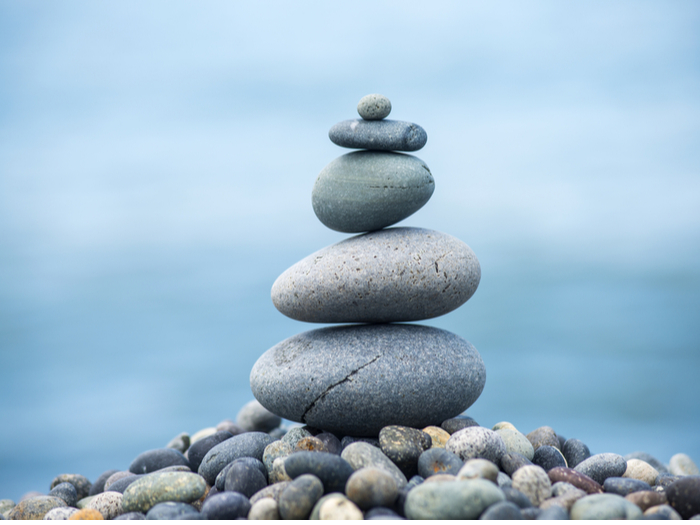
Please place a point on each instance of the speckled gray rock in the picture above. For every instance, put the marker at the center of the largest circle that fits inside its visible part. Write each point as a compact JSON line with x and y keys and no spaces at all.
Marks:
{"x":371,"y":487}
{"x":331,"y":442}
{"x":512,"y":461}
{"x":369,"y":190}
{"x":81,"y":483}
{"x":299,"y":498}
{"x":533,"y":481}
{"x":517,"y":497}
{"x":173,"y":510}
{"x":624,"y":486}
{"x":459,"y":422}
{"x":60,"y":513}
{"x":181,"y":442}
{"x":121,"y":484}
{"x":156,"y":459}
{"x":641,"y":470}
{"x":254,"y":417}
{"x":295,"y":434}
{"x":109,"y":504}
{"x":121,"y":474}
{"x":264,"y":509}
{"x":503,"y":510}
{"x":403,"y":446}
{"x":543,"y":436}
{"x":555,"y":512}
{"x":516,"y":442}
{"x":548,"y":458}
{"x":360,"y":454}
{"x":332,"y":470}
{"x":457,"y":500}
{"x":385,"y":276}
{"x":649,"y":459}
{"x":198,"y":450}
{"x":604,"y":507}
{"x":683,"y":465}
{"x":250,"y":444}
{"x":477,"y":442}
{"x":479,"y":468}
{"x":271,"y":491}
{"x":34,"y":508}
{"x":438,"y":461}
{"x":226,"y":506}
{"x":66,"y":492}
{"x":575,"y":451}
{"x":245,"y":478}
{"x":384,"y":135}
{"x":374,"y":107}
{"x":251,"y":462}
{"x":421,"y":374}
{"x":603,"y":466}
{"x":647,"y":498}
{"x":152,"y":489}
{"x":276,"y":449}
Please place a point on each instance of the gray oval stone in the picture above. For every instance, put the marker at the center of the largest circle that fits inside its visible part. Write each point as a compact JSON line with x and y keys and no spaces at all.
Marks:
{"x":152,"y":489}
{"x":604,"y":507}
{"x":457,"y":500}
{"x":250,"y":444}
{"x":384,"y":135}
{"x":421,"y":374}
{"x":360,"y":455}
{"x":603,"y":466}
{"x":393,"y":275}
{"x":374,"y":107}
{"x":477,"y":442}
{"x":369,"y":190}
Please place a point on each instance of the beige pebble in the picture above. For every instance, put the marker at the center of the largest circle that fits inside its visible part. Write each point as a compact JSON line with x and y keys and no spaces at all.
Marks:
{"x":109,"y":504}
{"x":682,"y":465}
{"x":478,"y":469}
{"x":566,"y":500}
{"x":641,"y":470}
{"x":504,"y":424}
{"x":339,"y":508}
{"x":278,"y":473}
{"x":264,"y":509}
{"x":438,"y":435}
{"x":534,"y":482}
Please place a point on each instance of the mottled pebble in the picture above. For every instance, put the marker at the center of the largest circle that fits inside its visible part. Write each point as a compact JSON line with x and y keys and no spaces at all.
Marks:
{"x":276,"y":449}
{"x":264,"y":509}
{"x":310,"y":444}
{"x":156,"y":459}
{"x":254,"y":417}
{"x":181,"y":442}
{"x":244,"y":478}
{"x":66,"y":492}
{"x":604,"y":507}
{"x":86,"y":514}
{"x":226,"y":506}
{"x":641,"y":470}
{"x":504,"y":480}
{"x":317,"y":506}
{"x":403,"y":446}
{"x":454,"y":424}
{"x":34,"y":508}
{"x":250,"y":444}
{"x":109,"y":504}
{"x":682,"y":465}
{"x":560,"y":488}
{"x":477,"y":442}
{"x":664,"y":481}
{"x":332,"y":470}
{"x":99,"y":485}
{"x":533,"y":481}
{"x":278,"y":474}
{"x":382,"y":135}
{"x":201,"y":434}
{"x":30,"y":494}
{"x":198,"y":450}
{"x":173,"y":510}
{"x":548,"y":458}
{"x":83,"y":503}
{"x":577,"y":479}
{"x":647,"y":498}
{"x":684,"y":496}
{"x":438,"y":436}
{"x":331,"y":442}
{"x":297,"y":500}
{"x":543,"y":436}
{"x":565,"y":501}
{"x":271,"y":491}
{"x":575,"y":451}
{"x":649,"y":459}
{"x":478,"y":469}
{"x":438,"y":460}
{"x":602,"y":466}
{"x":371,"y":487}
{"x":504,"y":425}
{"x":131,"y":516}
{"x":294,"y":434}
{"x":60,"y":513}
{"x":555,"y":512}
{"x":374,"y":107}
{"x":458,"y":500}
{"x":624,"y":486}
{"x":512,"y":461}
{"x":503,"y":510}
{"x":166,"y":486}
{"x":517,"y":497}
{"x":516,"y":442}
{"x":360,"y":455}
{"x":663,"y":512}
{"x":81,"y":483}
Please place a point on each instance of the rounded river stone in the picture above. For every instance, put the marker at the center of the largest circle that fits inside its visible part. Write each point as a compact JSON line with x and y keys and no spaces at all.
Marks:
{"x":331,"y":378}
{"x":374,"y":107}
{"x":533,"y":481}
{"x":384,"y":135}
{"x":604,"y":507}
{"x":173,"y":510}
{"x":371,"y":487}
{"x":548,"y":458}
{"x":575,"y":451}
{"x":300,"y":496}
{"x":624,"y":486}
{"x":477,"y":442}
{"x":577,"y":479}
{"x":438,"y":461}
{"x":244,"y":478}
{"x":683,"y":465}
{"x":250,"y":444}
{"x":254,"y":417}
{"x":684,"y":496}
{"x":603,"y":466}
{"x":150,"y":490}
{"x":457,"y":500}
{"x":59,"y":513}
{"x":156,"y":459}
{"x":360,"y":454}
{"x":403,"y":446}
{"x":226,"y":506}
{"x":99,"y":485}
{"x":386,"y":276}
{"x":641,"y":470}
{"x":516,"y":442}
{"x":66,"y":492}
{"x":81,"y":483}
{"x":503,"y":510}
{"x":369,"y":190}
{"x":456,"y":423}
{"x":198,"y":450}
{"x":331,"y":469}
{"x":35,"y":508}
{"x":109,"y":504}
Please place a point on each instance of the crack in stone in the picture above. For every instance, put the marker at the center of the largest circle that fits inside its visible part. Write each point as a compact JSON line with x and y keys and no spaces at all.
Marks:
{"x":331,"y":387}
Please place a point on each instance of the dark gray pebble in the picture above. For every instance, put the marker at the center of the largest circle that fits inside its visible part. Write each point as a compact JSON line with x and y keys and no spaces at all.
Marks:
{"x":99,"y":486}
{"x":244,"y":478}
{"x":666,"y":480}
{"x":66,"y":492}
{"x":131,"y":516}
{"x":256,"y":463}
{"x":199,"y":449}
{"x":331,"y":442}
{"x":512,"y":461}
{"x":254,"y":417}
{"x":684,"y":496}
{"x":530,"y":513}
{"x":503,"y":510}
{"x":121,"y":484}
{"x":555,"y":512}
{"x":562,"y":440}
{"x":624,"y":486}
{"x":332,"y":470}
{"x":403,"y":446}
{"x":229,"y":426}
{"x":156,"y":459}
{"x":250,"y":444}
{"x":603,"y":466}
{"x":226,"y":506}
{"x":381,"y":513}
{"x":172,"y":510}
{"x":81,"y":483}
{"x":348,"y":440}
{"x":548,"y":457}
{"x":654,"y":517}
{"x":300,"y":496}
{"x":438,"y":461}
{"x":384,"y":135}
{"x":517,"y":497}
{"x":403,"y":493}
{"x":575,"y":451}
{"x":454,"y":424}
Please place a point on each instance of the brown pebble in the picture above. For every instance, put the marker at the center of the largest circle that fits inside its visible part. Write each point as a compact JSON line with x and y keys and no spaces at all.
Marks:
{"x":578,"y":480}
{"x":310,"y":444}
{"x":87,"y":514}
{"x":647,"y":498}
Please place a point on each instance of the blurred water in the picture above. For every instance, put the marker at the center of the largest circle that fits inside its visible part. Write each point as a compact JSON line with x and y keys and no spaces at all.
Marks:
{"x":155,"y":178}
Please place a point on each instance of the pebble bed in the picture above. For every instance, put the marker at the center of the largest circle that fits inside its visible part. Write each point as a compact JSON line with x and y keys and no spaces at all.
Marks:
{"x":255,"y":468}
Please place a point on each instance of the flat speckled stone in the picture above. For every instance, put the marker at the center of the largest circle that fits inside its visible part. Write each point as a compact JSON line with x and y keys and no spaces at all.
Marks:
{"x":355,"y":380}
{"x":384,"y":135}
{"x":368,"y":190}
{"x":393,"y":275}
{"x":150,"y":490}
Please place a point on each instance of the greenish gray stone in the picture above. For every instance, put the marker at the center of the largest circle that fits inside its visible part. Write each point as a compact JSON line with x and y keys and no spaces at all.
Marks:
{"x":371,"y":487}
{"x":369,"y":190}
{"x":456,"y":500}
{"x":299,"y":498}
{"x":296,"y":434}
{"x":157,"y":488}
{"x":516,"y":442}
{"x":385,"y":276}
{"x":360,"y":455}
{"x":181,"y":442}
{"x":35,"y":508}
{"x":6,"y":505}
{"x":81,"y":483}
{"x":604,"y":507}
{"x":374,"y":107}
{"x":83,"y":503}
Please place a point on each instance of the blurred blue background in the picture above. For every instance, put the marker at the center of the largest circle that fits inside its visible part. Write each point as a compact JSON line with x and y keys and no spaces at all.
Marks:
{"x":156,"y":166}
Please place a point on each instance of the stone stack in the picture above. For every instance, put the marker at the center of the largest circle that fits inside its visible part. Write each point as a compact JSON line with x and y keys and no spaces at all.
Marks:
{"x":355,"y":379}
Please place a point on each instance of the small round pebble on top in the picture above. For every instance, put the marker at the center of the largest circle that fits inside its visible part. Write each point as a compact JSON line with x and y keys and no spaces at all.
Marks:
{"x":374,"y":107}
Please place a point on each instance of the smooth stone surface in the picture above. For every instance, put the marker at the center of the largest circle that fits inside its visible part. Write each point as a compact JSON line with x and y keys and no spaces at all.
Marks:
{"x":555,"y":512}
{"x":60,"y":513}
{"x":198,"y":450}
{"x":244,"y":478}
{"x":503,"y":510}
{"x":403,"y":446}
{"x":264,"y":509}
{"x":386,"y":276}
{"x":250,"y":444}
{"x":121,"y":474}
{"x":624,"y":486}
{"x":271,"y":491}
{"x":682,"y":465}
{"x":369,"y":190}
{"x":252,"y":462}
{"x":684,"y":496}
{"x":456,"y":423}
{"x":300,"y":496}
{"x":438,"y":461}
{"x":517,"y":497}
{"x":647,"y":498}
{"x":84,"y":502}
{"x":331,"y":442}
{"x":297,"y":433}
{"x":349,"y":440}
{"x":173,"y":510}
{"x":378,"y":513}
{"x":665,"y":480}
{"x":533,"y":481}
{"x":254,"y":417}
{"x":66,"y":492}
{"x":604,"y":507}
{"x":131,"y":516}
{"x":565,"y":501}
{"x":156,"y":459}
{"x":123,"y":483}
{"x":99,"y":485}
{"x":649,"y":459}
{"x":383,"y":135}
{"x":203,"y":433}
{"x":516,"y":442}
{"x":504,"y":480}
{"x":81,"y":483}
{"x":276,"y":449}
{"x":577,"y":479}
{"x":226,"y":506}
{"x":641,"y":470}
{"x":479,"y":469}
{"x":317,"y":506}
{"x":310,"y":444}
{"x":512,"y":461}
{"x":371,"y":487}
{"x":360,"y":454}
{"x":150,"y":490}
{"x":548,"y":458}
{"x":438,"y":436}
{"x":374,"y":107}
{"x":543,"y":436}
{"x":560,"y":488}
{"x":34,"y":508}
{"x":109,"y":504}
{"x":421,"y":374}
{"x":339,"y":508}
{"x":663,"y":512}
{"x":229,"y":426}
{"x":332,"y":470}
{"x":477,"y":442}
{"x":457,"y":500}
{"x":575,"y":451}
{"x":181,"y":442}
{"x":603,"y":466}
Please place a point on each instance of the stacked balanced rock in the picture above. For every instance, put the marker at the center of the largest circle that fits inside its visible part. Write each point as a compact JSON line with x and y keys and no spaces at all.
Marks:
{"x":355,"y":379}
